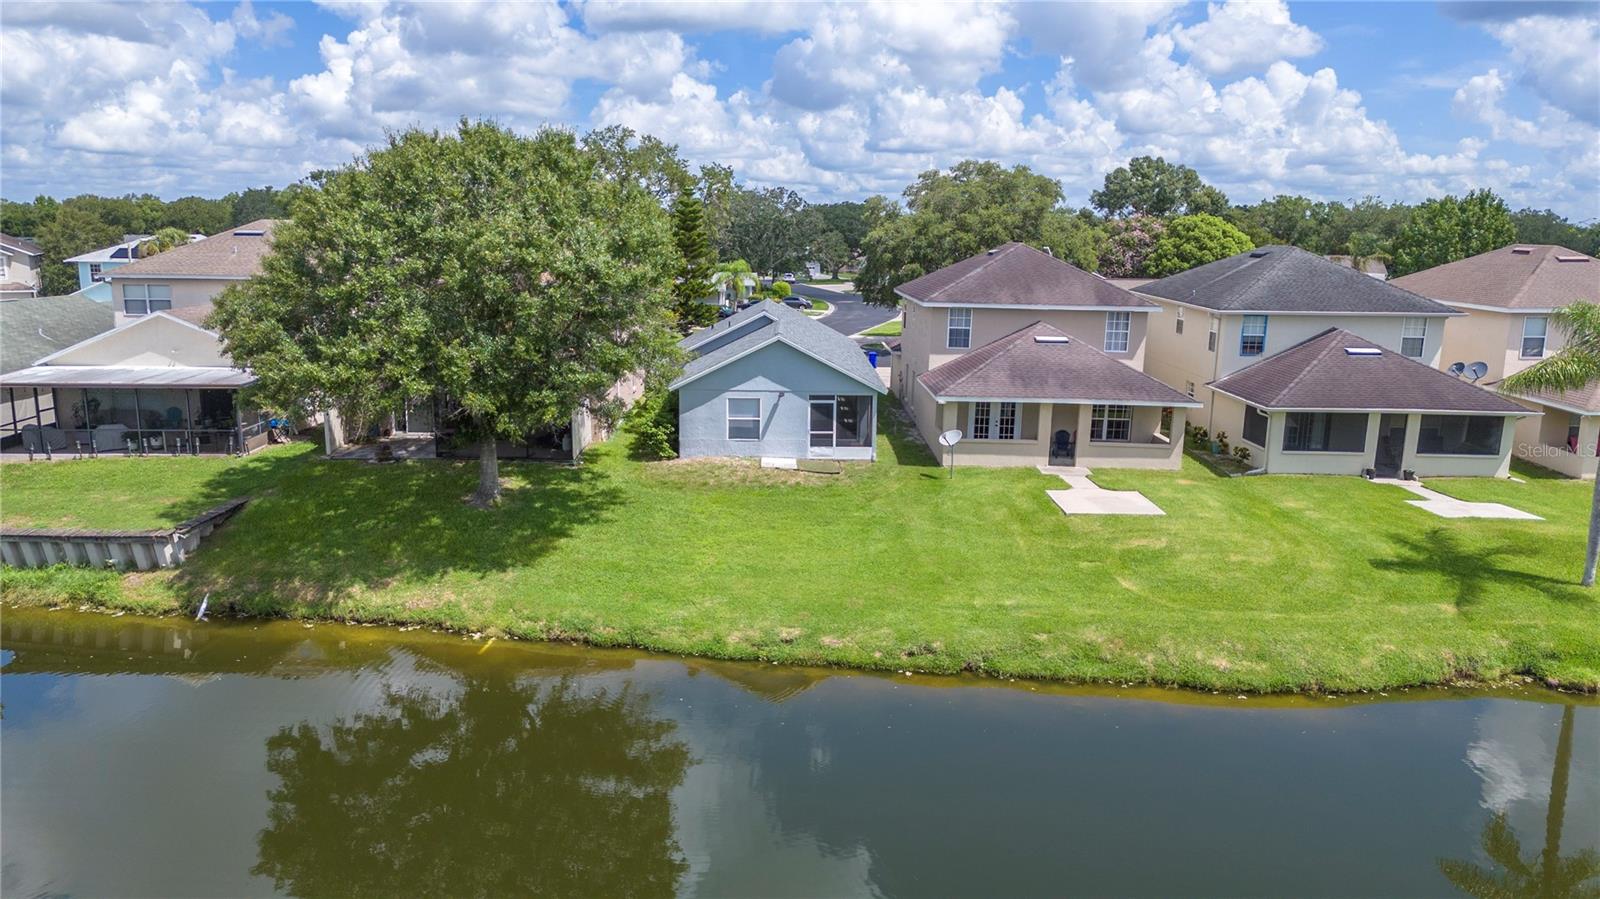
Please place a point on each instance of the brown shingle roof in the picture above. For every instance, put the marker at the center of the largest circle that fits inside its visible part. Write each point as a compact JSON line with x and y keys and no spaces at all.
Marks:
{"x":1522,"y":276}
{"x":194,"y":315}
{"x":20,"y":245}
{"x":1318,"y":373}
{"x":1016,"y":274}
{"x":1058,"y":368}
{"x":1586,"y":398}
{"x":228,"y":255}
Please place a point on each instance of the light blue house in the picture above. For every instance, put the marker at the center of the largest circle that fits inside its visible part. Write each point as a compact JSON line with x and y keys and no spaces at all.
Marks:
{"x":93,"y":265}
{"x":771,"y":381}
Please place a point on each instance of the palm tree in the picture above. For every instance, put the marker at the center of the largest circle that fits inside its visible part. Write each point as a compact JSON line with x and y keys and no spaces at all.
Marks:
{"x":737,"y":275}
{"x":162,"y":241}
{"x":1577,"y":364}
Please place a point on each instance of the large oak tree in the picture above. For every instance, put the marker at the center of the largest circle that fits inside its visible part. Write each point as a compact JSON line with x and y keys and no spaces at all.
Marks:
{"x":518,"y":276}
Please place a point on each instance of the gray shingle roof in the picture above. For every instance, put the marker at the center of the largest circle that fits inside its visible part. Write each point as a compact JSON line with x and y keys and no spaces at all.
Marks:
{"x":1016,"y":274}
{"x":225,"y":255}
{"x":1523,"y":276}
{"x":1288,"y":279}
{"x":1059,"y":368}
{"x":788,"y":326}
{"x":34,"y":327}
{"x":1319,"y":374}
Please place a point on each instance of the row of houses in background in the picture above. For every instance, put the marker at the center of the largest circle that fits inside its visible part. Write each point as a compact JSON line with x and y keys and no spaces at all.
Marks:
{"x":1312,"y":365}
{"x":127,"y":364}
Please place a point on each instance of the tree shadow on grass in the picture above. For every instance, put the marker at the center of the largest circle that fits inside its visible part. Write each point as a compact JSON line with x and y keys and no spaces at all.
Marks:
{"x":248,"y":477}
{"x":1474,"y":568}
{"x":331,"y":527}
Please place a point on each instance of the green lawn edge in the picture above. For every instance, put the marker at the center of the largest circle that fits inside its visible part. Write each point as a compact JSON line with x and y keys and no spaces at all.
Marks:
{"x":733,"y":562}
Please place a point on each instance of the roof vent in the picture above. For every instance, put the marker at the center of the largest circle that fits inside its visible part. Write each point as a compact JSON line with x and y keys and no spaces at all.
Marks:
{"x":1051,"y":338}
{"x":1047,"y":252}
{"x":1572,"y":258}
{"x":1257,"y":254}
{"x":993,"y":251}
{"x":252,"y":232}
{"x":1362,"y":351}
{"x":1522,"y":251}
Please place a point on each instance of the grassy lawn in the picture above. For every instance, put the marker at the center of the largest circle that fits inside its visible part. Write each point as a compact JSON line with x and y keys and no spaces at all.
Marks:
{"x":819,"y":306}
{"x":887,"y":329}
{"x":1264,"y":583}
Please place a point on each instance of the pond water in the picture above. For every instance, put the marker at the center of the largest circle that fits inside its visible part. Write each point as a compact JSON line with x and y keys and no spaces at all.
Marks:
{"x":165,"y":758}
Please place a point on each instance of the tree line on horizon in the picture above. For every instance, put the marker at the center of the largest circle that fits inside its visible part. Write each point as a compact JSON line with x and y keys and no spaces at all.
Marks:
{"x":1150,"y":218}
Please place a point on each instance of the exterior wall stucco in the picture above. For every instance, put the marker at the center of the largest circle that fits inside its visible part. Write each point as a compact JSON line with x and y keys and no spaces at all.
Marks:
{"x":1494,"y":338}
{"x":186,"y":293}
{"x":783,"y":378}
{"x":1543,"y":441}
{"x":1038,"y":423}
{"x":160,"y":341}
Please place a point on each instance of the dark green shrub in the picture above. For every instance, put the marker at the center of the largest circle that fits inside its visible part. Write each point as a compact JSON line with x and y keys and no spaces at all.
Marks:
{"x":653,"y":422}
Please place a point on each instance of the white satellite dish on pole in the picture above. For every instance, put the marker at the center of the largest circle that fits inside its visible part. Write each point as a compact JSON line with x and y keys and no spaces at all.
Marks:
{"x":949,"y":439}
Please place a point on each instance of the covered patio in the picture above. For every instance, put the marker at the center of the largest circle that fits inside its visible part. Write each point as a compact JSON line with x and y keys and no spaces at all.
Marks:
{"x":89,"y":411}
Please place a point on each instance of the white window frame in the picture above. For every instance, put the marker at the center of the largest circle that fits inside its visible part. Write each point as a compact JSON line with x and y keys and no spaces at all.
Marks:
{"x":143,"y":297}
{"x":96,"y":272}
{"x":1543,"y":337}
{"x":1188,"y":387}
{"x":1119,"y":330}
{"x":964,"y":315}
{"x":1101,"y":416}
{"x":1244,"y":325}
{"x":1179,"y":325}
{"x":1211,"y":336}
{"x":988,"y":421}
{"x":996,"y":418}
{"x":1414,"y":329}
{"x":729,"y":418}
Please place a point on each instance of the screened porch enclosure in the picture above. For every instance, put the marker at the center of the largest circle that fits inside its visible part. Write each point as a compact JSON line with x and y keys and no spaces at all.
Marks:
{"x":130,"y":420}
{"x":841,"y":426}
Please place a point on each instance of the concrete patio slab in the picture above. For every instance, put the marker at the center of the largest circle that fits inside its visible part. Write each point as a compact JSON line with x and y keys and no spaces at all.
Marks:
{"x":778,"y":462}
{"x":1088,"y":498}
{"x":1079,"y":501}
{"x":1439,"y":504}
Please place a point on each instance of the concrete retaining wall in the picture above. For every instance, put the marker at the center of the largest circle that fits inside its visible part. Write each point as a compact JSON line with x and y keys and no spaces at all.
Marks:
{"x":122,"y":550}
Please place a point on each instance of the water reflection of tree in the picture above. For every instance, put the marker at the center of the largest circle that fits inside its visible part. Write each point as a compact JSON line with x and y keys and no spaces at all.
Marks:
{"x":532,"y":788}
{"x":1548,"y":876}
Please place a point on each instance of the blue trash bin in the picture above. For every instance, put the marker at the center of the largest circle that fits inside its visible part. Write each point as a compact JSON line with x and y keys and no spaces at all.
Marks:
{"x":872,"y":358}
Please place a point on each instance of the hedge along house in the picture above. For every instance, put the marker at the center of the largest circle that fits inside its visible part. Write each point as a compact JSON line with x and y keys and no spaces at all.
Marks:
{"x":1509,"y":296}
{"x":1338,"y":403}
{"x":771,"y":381}
{"x":159,"y":385}
{"x":1035,"y":362}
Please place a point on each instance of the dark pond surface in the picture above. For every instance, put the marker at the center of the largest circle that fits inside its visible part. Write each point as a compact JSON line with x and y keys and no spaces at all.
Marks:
{"x":161,"y":758}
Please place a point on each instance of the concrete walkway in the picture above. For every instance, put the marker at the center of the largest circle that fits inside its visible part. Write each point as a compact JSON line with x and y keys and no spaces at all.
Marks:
{"x":1088,"y":498}
{"x":1450,"y":507}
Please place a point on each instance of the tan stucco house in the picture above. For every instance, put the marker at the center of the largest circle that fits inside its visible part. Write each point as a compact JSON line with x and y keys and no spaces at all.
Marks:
{"x":189,"y":276}
{"x":1337,"y":403}
{"x":21,"y":267}
{"x":1508,"y":296}
{"x":1035,"y":362}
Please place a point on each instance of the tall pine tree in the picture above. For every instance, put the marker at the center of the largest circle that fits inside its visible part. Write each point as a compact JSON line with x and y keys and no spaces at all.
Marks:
{"x":694,"y":272}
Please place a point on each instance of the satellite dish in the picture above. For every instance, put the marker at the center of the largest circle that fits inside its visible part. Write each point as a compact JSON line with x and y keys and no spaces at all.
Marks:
{"x":1477,"y":370}
{"x":949,"y":439}
{"x":1458,"y":368}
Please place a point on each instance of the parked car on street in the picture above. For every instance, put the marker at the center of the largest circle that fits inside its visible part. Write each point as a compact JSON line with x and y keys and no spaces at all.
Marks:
{"x":794,"y":302}
{"x":789,"y":276}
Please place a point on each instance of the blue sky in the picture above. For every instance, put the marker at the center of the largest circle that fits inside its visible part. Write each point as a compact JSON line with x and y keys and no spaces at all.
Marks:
{"x":838,"y":100}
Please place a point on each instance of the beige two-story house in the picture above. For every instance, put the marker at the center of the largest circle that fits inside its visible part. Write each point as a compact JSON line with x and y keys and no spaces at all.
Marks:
{"x":21,"y":265}
{"x":188,"y":276}
{"x":1253,"y":336}
{"x":1034,"y":362}
{"x":1508,"y":296}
